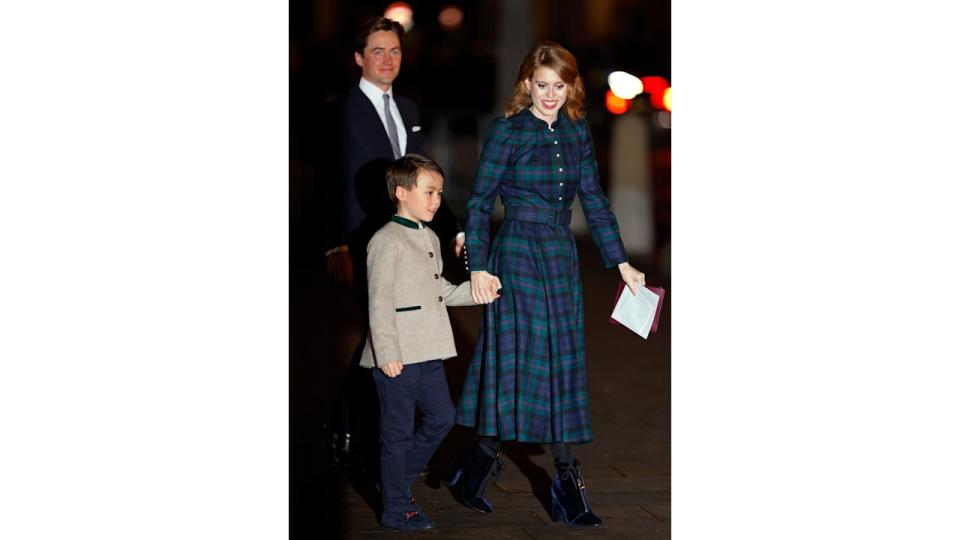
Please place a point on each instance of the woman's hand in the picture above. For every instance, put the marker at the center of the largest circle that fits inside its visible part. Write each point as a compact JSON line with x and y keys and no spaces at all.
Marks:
{"x":483,"y":287}
{"x":632,"y":277}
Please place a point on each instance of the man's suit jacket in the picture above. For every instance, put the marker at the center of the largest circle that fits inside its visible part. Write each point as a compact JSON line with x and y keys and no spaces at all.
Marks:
{"x":363,"y":140}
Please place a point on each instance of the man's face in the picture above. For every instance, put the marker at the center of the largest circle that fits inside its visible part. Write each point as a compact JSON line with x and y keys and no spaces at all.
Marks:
{"x":380,"y":59}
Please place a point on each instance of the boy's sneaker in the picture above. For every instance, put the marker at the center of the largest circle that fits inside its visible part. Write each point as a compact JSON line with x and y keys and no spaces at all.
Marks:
{"x":406,"y":521}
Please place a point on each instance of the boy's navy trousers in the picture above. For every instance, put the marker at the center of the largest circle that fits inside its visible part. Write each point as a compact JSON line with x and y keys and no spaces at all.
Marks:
{"x":403,"y":452}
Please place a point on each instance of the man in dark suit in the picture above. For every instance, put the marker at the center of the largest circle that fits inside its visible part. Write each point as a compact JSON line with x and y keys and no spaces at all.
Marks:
{"x":367,"y":133}
{"x":375,"y":127}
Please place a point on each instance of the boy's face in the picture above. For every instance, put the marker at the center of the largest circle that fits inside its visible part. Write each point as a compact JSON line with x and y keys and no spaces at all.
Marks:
{"x":422,"y":201}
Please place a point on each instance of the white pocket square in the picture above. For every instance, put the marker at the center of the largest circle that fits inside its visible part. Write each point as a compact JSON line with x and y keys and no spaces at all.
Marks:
{"x":415,"y":129}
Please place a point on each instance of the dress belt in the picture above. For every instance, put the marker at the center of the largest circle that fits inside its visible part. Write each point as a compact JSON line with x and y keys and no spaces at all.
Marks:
{"x":538,"y":215}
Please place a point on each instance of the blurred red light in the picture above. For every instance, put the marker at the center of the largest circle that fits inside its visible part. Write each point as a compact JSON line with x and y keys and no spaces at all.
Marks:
{"x":656,"y":101}
{"x":654,"y":84}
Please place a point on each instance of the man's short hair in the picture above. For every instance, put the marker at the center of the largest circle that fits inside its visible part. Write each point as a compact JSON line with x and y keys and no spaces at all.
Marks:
{"x":375,"y":24}
{"x":404,"y":171}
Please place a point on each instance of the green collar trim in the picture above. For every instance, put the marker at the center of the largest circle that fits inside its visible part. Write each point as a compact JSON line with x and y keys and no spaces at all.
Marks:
{"x":405,"y":222}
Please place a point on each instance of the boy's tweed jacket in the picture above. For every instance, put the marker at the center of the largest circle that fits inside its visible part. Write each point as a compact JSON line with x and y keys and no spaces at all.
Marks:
{"x":409,"y":297}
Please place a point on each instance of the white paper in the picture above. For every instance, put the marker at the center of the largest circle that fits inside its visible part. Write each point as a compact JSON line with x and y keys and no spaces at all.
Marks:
{"x":636,"y":312}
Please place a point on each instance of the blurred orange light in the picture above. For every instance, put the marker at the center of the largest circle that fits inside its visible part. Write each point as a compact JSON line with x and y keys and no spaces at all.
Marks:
{"x":450,"y":17}
{"x":668,"y":98}
{"x":616,"y":105}
{"x":400,"y":12}
{"x":399,"y":5}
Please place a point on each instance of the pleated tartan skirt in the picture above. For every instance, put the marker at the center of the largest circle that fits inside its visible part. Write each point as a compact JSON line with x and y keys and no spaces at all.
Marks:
{"x":527,"y":379}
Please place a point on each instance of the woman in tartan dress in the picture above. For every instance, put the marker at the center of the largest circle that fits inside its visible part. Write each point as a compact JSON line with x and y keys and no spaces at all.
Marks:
{"x":527,"y":380}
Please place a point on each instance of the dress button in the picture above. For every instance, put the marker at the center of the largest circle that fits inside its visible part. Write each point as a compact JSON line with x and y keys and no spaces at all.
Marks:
{"x":439,"y":299}
{"x":430,"y":254}
{"x":436,"y":276}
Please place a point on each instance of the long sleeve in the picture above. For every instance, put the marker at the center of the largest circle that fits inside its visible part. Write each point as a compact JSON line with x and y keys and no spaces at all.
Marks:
{"x":457,"y":295}
{"x":454,"y":295}
{"x":382,"y":267}
{"x":596,"y":208}
{"x":356,"y":153}
{"x":493,"y":165}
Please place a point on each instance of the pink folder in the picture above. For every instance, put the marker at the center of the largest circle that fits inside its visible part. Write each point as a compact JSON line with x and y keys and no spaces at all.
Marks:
{"x":659,"y":291}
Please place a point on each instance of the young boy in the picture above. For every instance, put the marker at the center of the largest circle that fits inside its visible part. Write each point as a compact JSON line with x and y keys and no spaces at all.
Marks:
{"x":410,"y":335}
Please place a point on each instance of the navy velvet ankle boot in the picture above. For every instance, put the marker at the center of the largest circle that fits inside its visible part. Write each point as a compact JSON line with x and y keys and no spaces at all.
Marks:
{"x":474,"y":468}
{"x":569,"y":497}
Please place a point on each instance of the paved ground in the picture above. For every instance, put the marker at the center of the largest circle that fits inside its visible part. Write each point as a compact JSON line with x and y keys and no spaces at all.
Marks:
{"x":626,"y":468}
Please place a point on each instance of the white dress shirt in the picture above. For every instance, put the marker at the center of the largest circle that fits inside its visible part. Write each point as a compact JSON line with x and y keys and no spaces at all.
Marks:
{"x":375,"y":95}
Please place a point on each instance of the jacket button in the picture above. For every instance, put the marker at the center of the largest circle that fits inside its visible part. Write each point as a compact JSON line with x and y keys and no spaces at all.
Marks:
{"x":430,"y":254}
{"x":439,"y":299}
{"x":436,"y":276}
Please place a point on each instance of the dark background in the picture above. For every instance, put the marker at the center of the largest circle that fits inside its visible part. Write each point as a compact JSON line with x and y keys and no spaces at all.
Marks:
{"x":459,"y":79}
{"x":453,"y":78}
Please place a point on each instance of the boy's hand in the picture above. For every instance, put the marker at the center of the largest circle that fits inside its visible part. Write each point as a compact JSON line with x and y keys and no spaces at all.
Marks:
{"x":495,"y":288}
{"x":392,"y":369}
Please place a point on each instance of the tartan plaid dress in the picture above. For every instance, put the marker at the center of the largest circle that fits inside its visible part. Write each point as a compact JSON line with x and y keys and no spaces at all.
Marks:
{"x":527,"y":380}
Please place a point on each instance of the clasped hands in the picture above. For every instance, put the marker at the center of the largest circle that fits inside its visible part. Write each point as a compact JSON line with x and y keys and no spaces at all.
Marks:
{"x":484,"y":287}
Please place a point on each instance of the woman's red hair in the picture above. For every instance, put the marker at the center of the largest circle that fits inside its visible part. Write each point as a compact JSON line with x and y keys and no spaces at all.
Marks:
{"x":549,"y":55}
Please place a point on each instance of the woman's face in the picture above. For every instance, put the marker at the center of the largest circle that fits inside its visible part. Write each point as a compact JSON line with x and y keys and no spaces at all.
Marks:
{"x":548,"y":93}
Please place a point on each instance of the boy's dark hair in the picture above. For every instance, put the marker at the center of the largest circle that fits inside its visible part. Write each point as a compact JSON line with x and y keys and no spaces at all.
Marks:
{"x":403,"y":172}
{"x":375,"y":24}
